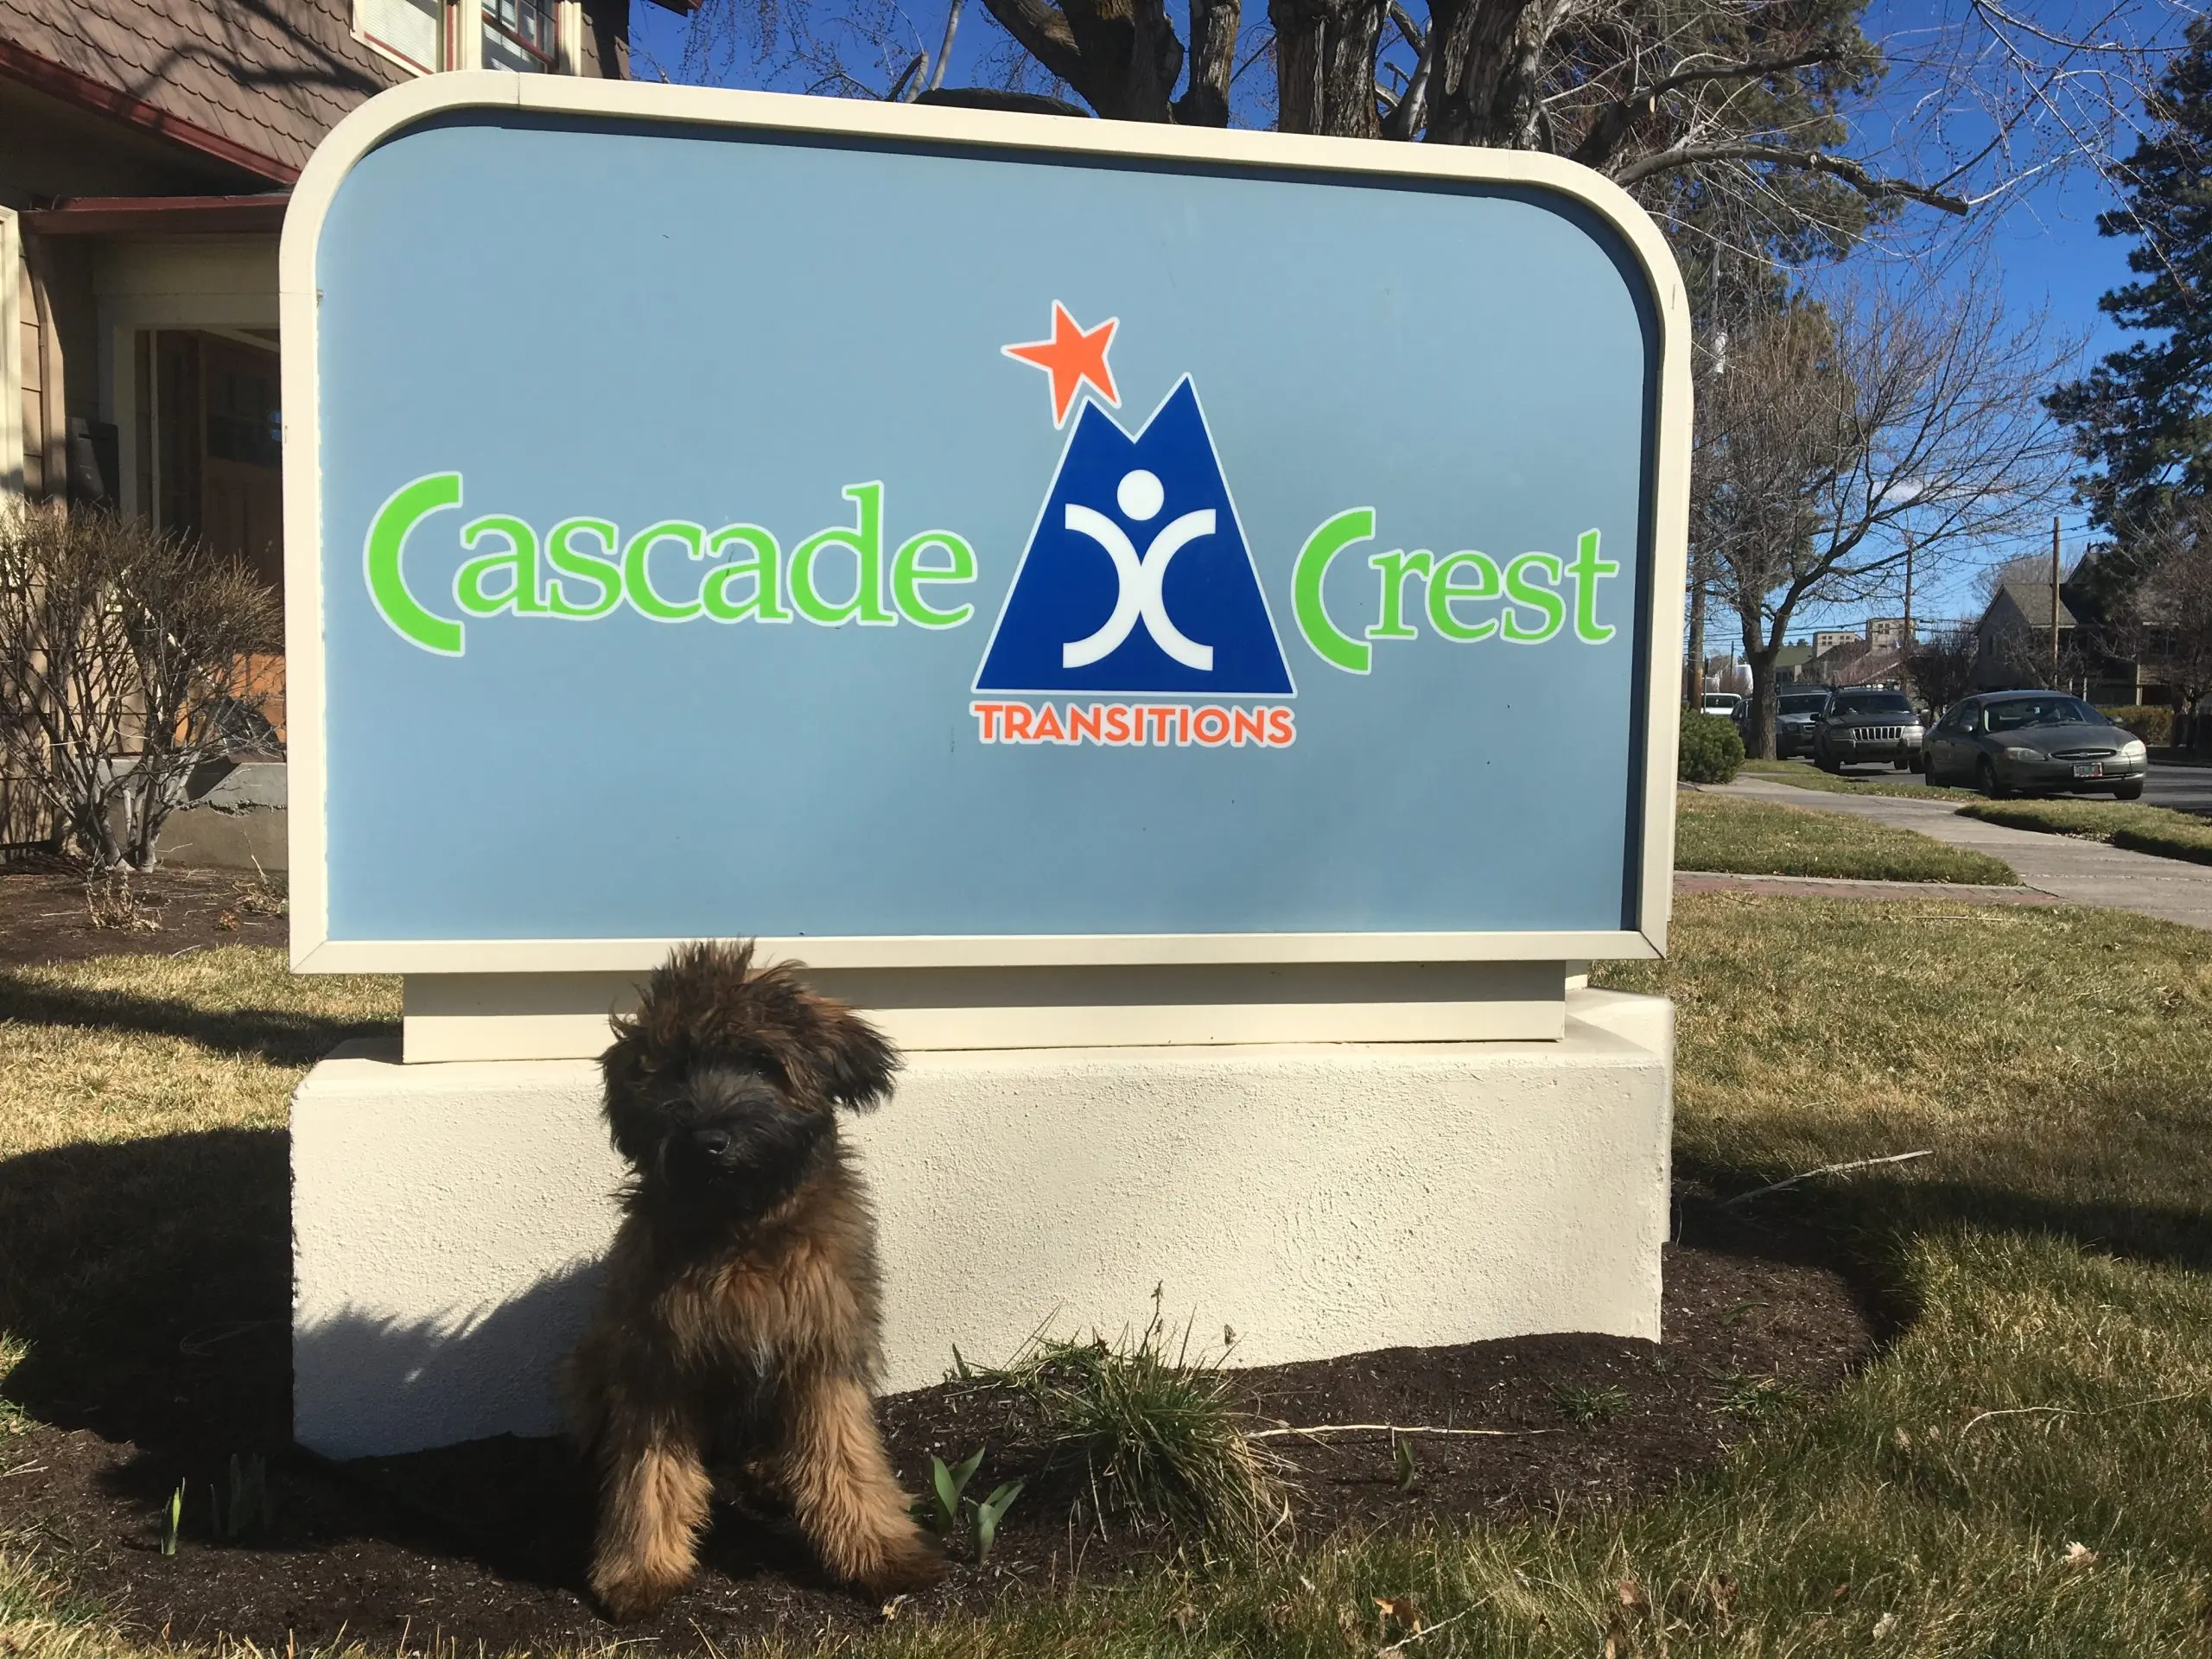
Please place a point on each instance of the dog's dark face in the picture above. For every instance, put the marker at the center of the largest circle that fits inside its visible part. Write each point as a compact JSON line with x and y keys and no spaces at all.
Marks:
{"x":721,"y":1090}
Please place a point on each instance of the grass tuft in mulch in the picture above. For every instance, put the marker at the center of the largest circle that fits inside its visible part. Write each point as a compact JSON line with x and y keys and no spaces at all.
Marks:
{"x":1729,"y":835}
{"x":1154,"y":1432}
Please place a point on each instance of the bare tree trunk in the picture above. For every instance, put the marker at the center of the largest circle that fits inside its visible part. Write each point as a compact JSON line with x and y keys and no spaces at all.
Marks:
{"x":1480,"y":91}
{"x":1325,"y":65}
{"x":1122,"y":56}
{"x":1204,"y":102}
{"x":1759,"y":725}
{"x":1132,"y":54}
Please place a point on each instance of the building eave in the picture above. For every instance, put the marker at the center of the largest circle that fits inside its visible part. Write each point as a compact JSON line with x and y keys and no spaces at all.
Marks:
{"x":59,"y":81}
{"x":160,"y":216}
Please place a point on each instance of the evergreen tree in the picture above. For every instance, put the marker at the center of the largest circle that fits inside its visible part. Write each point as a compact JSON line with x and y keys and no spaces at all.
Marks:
{"x":2143,"y":417}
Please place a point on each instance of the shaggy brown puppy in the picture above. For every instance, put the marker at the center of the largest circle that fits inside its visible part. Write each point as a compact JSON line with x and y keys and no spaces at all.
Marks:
{"x":738,"y":1317}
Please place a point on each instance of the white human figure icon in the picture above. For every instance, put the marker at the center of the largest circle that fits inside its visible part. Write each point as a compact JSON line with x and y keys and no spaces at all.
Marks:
{"x":1139,"y":496}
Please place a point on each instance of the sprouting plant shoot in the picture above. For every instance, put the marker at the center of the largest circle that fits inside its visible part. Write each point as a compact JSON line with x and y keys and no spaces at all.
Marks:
{"x":954,"y":1506}
{"x":173,"y":1520}
{"x":244,"y":1505}
{"x":949,"y":1484}
{"x":988,"y":1513}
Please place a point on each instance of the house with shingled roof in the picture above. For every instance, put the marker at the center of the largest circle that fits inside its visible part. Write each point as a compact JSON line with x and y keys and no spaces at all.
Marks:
{"x":147,"y":150}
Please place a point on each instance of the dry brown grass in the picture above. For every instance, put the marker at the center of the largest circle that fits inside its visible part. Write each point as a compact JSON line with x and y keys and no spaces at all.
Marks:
{"x":125,"y":1047}
{"x":2055,"y":1255}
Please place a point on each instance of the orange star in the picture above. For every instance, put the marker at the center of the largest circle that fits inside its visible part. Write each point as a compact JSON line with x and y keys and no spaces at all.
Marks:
{"x":1071,"y":356}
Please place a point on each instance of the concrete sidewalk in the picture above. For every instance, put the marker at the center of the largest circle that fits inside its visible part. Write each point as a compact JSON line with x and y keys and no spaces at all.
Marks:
{"x":2079,"y":872}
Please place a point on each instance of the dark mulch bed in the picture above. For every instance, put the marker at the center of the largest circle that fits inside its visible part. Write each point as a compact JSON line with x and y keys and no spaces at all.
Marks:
{"x":44,"y":916}
{"x":485,"y":1542}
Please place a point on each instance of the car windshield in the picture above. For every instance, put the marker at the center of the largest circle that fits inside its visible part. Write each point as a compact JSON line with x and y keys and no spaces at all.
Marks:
{"x":1805,"y":703}
{"x":2017,"y":711}
{"x":1872,"y":702}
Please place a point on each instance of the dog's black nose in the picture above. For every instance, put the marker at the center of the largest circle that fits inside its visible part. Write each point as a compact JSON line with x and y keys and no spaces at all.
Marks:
{"x":713,"y":1142}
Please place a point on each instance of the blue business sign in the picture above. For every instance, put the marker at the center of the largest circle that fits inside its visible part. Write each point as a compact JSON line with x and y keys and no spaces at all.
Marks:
{"x":727,"y":515}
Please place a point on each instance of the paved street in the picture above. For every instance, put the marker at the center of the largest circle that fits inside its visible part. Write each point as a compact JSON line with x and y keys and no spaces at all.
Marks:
{"x":2080,"y":871}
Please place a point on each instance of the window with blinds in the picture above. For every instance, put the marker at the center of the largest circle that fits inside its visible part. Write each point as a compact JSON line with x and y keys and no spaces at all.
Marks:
{"x":519,"y":35}
{"x":410,"y":30}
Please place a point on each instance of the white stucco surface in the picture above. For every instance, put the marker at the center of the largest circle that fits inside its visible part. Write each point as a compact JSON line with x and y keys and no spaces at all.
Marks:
{"x":1321,"y":1200}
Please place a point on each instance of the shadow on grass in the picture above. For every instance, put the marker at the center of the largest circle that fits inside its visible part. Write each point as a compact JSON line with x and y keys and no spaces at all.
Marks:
{"x":1855,"y":1226}
{"x":151,"y":1281}
{"x":280,"y":1036}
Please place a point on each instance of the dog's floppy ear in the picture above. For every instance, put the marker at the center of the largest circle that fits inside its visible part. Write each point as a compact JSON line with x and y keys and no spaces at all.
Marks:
{"x":825,"y":1048}
{"x":858,"y":1058}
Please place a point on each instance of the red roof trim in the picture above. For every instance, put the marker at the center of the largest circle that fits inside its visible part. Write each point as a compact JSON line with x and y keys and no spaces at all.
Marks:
{"x":86,"y":93}
{"x":171,"y":215}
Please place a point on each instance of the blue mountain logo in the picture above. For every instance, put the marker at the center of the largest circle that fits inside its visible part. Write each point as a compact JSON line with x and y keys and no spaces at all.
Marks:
{"x":1137,"y":579}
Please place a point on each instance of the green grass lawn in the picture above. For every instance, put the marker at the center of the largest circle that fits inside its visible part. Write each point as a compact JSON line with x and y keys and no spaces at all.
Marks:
{"x":2124,"y":824}
{"x":1747,"y":838}
{"x":1803,"y":775}
{"x":2051,"y":1387}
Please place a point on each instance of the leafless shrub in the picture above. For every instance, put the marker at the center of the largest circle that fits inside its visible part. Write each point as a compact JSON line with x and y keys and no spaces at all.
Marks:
{"x":1942,"y":665}
{"x":126,"y":661}
{"x":112,"y":902}
{"x":266,"y":895}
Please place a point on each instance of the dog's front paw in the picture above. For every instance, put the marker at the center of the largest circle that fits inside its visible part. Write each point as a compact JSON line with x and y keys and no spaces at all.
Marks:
{"x":628,"y":1593}
{"x":905,"y":1563}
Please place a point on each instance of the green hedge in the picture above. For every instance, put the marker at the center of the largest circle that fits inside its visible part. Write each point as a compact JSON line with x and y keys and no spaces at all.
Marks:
{"x":2154,"y":726}
{"x":1712,"y":749}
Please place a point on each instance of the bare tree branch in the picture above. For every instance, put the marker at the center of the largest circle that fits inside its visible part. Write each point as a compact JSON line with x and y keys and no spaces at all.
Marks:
{"x":944,"y":51}
{"x":1042,"y":30}
{"x":1812,"y":160}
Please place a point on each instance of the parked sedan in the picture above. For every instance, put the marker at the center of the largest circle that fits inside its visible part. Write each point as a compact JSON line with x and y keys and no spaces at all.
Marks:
{"x":1795,"y":714}
{"x":2016,"y":742}
{"x":1866,"y":726}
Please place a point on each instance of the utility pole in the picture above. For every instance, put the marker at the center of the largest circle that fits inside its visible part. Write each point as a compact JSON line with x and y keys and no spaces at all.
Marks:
{"x":1695,"y":695}
{"x":1904,"y":639}
{"x":2054,"y":604}
{"x":1908,"y":590}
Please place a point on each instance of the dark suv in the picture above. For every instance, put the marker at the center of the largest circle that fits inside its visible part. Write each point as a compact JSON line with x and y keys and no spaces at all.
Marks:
{"x":1864,"y":727}
{"x":1796,"y":714}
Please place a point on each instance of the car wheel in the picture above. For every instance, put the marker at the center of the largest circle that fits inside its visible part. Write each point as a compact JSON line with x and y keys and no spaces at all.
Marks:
{"x":1986,"y":776}
{"x":2130,"y":790}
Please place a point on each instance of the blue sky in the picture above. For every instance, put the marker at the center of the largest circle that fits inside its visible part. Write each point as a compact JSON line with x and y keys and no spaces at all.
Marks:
{"x":2044,"y":243}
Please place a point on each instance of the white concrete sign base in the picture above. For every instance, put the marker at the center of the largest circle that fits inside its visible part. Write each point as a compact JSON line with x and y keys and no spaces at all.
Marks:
{"x":1322,"y":1199}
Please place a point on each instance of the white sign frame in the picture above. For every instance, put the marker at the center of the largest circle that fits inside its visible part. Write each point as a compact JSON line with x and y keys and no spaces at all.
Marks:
{"x":389,"y":112}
